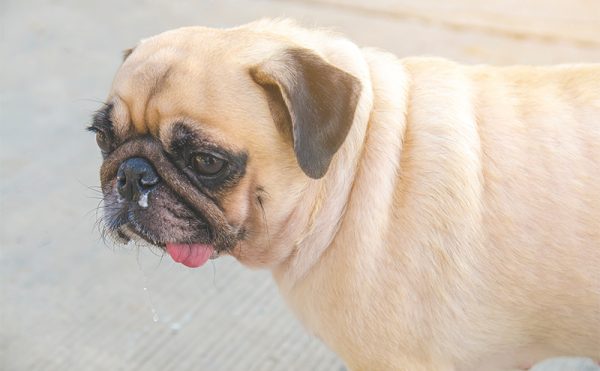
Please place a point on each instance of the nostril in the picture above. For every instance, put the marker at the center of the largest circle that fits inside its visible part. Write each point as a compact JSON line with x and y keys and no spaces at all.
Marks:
{"x":124,"y":190}
{"x":122,"y":184}
{"x":148,"y":181}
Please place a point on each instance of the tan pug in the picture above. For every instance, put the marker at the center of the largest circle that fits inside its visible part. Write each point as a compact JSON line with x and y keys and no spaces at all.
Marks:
{"x":416,"y":214}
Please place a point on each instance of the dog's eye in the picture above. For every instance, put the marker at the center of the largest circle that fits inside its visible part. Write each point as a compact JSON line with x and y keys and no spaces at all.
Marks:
{"x":207,"y":164}
{"x":103,"y":141}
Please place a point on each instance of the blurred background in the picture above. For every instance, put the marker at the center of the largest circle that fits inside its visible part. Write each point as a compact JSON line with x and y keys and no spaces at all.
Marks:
{"x":70,"y":302}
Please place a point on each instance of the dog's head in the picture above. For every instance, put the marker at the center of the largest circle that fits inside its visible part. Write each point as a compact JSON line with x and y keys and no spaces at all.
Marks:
{"x":210,"y":137}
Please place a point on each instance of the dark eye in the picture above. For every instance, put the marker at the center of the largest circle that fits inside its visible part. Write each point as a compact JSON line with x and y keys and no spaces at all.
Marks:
{"x":207,"y":164}
{"x":102,"y":140}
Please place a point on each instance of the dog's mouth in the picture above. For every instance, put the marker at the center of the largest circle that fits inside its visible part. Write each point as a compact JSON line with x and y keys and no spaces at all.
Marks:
{"x":192,"y":255}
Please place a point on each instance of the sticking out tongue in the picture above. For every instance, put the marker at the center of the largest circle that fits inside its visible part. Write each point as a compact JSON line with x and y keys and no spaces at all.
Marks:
{"x":192,"y":256}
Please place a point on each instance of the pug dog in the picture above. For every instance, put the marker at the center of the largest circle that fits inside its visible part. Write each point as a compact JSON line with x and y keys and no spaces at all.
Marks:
{"x":416,"y":214}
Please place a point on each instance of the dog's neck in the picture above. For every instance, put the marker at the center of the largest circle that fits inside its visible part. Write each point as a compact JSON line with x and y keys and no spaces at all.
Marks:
{"x":332,"y":203}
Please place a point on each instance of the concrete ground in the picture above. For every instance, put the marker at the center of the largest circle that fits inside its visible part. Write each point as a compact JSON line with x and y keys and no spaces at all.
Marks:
{"x":67,"y":301}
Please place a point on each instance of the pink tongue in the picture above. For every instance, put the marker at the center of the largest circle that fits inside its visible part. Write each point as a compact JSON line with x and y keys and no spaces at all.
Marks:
{"x":192,"y":256}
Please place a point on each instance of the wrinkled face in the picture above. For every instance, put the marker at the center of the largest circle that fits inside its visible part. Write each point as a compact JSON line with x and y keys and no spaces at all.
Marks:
{"x":203,"y":148}
{"x":172,"y":192}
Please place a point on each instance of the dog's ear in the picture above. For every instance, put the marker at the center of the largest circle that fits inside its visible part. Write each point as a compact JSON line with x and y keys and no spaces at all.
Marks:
{"x":127,"y":53}
{"x":312,"y":103}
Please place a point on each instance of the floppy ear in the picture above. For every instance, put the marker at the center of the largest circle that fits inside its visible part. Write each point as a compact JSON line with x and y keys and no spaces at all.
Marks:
{"x":312,"y":103}
{"x":127,"y":52}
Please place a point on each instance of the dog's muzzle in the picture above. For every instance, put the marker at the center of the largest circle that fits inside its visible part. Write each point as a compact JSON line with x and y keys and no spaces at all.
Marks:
{"x":140,"y":165}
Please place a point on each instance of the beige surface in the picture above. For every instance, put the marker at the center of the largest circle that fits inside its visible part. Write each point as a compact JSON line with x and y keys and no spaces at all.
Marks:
{"x":571,"y":21}
{"x":68,"y":302}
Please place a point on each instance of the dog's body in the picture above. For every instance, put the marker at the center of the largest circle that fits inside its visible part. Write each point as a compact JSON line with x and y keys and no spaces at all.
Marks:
{"x":480,"y":248}
{"x":455,"y":226}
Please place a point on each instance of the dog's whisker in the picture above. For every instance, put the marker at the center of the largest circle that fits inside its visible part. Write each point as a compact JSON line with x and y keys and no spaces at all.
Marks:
{"x":93,"y":100}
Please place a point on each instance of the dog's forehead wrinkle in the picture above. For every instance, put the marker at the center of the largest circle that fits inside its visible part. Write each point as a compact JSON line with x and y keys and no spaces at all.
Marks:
{"x":141,"y":78}
{"x":121,"y":117}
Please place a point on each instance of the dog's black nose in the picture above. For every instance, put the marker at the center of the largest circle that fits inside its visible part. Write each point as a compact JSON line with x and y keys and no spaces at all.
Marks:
{"x":135,"y":177}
